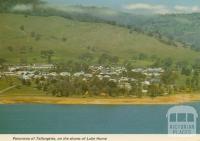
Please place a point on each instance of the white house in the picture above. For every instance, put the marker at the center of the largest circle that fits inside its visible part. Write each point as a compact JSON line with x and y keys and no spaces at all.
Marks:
{"x":65,"y":74}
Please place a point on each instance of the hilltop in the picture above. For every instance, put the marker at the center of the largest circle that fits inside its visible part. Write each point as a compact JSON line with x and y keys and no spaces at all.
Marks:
{"x":23,"y":38}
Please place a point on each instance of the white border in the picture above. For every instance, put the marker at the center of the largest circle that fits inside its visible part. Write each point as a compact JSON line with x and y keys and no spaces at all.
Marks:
{"x":100,"y":137}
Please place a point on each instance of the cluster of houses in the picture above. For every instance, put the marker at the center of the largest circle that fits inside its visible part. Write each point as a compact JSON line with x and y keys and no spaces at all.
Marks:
{"x":115,"y":74}
{"x":119,"y":75}
{"x":28,"y":72}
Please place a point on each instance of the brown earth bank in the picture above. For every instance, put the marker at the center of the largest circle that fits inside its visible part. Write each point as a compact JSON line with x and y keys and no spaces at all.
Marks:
{"x":172,"y":99}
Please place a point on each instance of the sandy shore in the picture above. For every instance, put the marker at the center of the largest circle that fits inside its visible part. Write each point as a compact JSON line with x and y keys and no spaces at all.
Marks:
{"x":174,"y":99}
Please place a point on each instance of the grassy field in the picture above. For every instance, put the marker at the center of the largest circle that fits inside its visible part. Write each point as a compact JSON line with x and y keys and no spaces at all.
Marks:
{"x":3,"y":84}
{"x":18,"y":90}
{"x":25,"y":37}
{"x":23,"y":91}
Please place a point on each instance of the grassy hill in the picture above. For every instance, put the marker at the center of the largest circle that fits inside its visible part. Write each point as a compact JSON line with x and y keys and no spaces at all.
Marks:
{"x":24,"y":37}
{"x":180,"y":27}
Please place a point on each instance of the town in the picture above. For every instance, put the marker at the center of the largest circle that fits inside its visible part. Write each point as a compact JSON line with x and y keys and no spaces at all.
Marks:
{"x":96,"y":80}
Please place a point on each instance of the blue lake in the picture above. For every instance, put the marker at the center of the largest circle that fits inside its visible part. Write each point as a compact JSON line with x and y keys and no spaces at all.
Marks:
{"x":85,"y":119}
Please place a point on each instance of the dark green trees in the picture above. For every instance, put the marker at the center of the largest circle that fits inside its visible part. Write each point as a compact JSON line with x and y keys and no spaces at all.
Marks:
{"x":6,"y":5}
{"x":47,"y":54}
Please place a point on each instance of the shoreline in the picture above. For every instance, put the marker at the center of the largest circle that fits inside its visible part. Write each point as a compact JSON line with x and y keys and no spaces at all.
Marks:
{"x":162,"y":100}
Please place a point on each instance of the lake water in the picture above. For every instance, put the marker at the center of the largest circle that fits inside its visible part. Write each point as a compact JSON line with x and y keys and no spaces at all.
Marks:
{"x":85,"y":119}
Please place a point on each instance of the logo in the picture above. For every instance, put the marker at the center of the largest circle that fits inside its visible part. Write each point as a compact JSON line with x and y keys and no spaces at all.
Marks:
{"x":182,"y":120}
